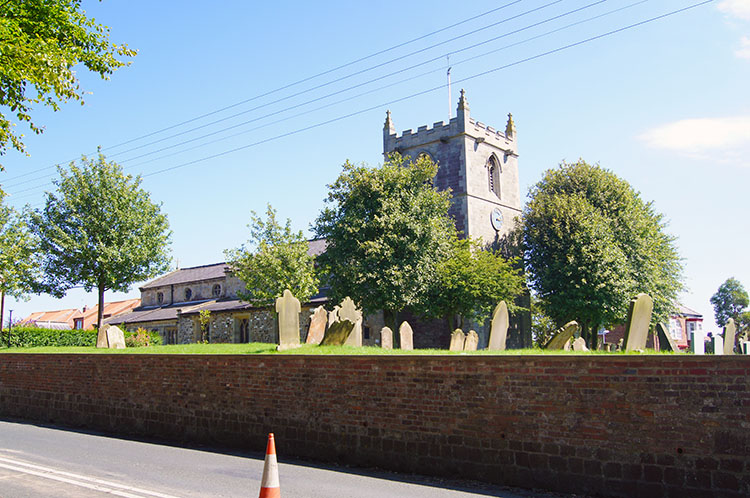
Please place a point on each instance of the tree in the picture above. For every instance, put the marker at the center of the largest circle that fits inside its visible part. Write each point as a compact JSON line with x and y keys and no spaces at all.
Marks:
{"x":100,"y":230}
{"x":18,"y":257}
{"x":387,"y":229}
{"x":591,"y":243}
{"x":41,"y":43}
{"x":470,"y":282}
{"x":275,"y":258}
{"x":729,"y":301}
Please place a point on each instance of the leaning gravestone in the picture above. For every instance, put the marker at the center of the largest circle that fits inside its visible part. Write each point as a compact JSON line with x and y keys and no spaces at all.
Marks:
{"x":666,"y":342}
{"x":406,"y":335}
{"x":346,"y":316}
{"x":101,"y":337}
{"x":562,"y":336}
{"x":318,"y":323}
{"x":386,"y":338}
{"x":499,"y":327}
{"x":579,"y":344}
{"x":730,"y":329}
{"x":288,"y":307}
{"x":333,"y":315}
{"x":355,"y":338}
{"x":115,"y":337}
{"x":458,"y":339}
{"x":472,"y":340}
{"x":639,"y":318}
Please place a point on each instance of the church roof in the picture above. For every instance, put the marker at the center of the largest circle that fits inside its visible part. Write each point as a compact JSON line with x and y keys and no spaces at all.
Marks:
{"x":193,"y":274}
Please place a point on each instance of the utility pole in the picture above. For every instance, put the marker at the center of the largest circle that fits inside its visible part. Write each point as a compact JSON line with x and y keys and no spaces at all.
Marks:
{"x":10,"y":324}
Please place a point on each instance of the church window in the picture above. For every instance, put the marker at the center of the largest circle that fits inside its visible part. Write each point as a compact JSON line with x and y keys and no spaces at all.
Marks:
{"x":160,"y":297}
{"x":493,"y":176}
{"x":188,"y":294}
{"x":216,"y":291}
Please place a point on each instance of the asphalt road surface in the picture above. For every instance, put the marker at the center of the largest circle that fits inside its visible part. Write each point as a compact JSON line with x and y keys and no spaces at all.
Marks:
{"x":38,"y":461}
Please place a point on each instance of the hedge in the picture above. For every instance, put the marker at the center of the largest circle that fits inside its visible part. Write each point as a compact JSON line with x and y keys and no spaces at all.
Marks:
{"x":29,"y":337}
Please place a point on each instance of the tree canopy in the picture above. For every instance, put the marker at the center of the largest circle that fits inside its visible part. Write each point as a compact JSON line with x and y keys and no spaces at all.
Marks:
{"x":99,"y":230}
{"x":387,"y":229}
{"x":729,"y":301}
{"x":591,"y":243}
{"x":41,"y":44}
{"x":275,"y":258}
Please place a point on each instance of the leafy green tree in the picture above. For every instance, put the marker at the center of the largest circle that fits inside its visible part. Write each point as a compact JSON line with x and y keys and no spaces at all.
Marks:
{"x":387,"y":229}
{"x":470,"y":282}
{"x":99,"y":230}
{"x":591,"y":243}
{"x":275,"y":258}
{"x":41,"y":44}
{"x":19,"y":263}
{"x":729,"y":301}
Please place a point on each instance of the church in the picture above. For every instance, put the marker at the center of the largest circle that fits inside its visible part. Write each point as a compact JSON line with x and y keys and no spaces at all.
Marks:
{"x":477,"y":162}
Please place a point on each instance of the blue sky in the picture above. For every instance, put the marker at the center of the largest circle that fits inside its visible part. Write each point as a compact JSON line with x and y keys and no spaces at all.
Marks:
{"x":665,"y":105}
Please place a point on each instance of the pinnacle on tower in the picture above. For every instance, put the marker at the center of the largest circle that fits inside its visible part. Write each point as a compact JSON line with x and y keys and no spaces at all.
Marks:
{"x":389,"y":128}
{"x":510,"y":128}
{"x":463,"y":105}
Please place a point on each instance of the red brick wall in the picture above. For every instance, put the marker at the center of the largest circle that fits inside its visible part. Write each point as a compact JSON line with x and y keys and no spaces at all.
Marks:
{"x":618,"y":426}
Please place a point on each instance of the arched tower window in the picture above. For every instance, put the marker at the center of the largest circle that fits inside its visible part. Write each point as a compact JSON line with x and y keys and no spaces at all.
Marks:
{"x":493,"y":175}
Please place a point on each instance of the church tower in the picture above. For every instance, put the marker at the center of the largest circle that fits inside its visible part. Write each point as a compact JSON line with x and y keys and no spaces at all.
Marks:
{"x":477,"y":162}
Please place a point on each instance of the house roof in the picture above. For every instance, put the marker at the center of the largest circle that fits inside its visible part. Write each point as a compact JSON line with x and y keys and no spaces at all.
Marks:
{"x":193,"y":274}
{"x":112,"y":309}
{"x":58,"y":316}
{"x":685,"y":311}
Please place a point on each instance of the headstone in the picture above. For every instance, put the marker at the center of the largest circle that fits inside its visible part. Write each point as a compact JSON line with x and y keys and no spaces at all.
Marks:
{"x":333,"y":315}
{"x":579,"y":344}
{"x":639,"y":318}
{"x":386,"y":338}
{"x":730,"y":329}
{"x":348,"y":311}
{"x":472,"y":340}
{"x":355,"y":338}
{"x":562,"y":335}
{"x":406,"y":335}
{"x":318,"y":322}
{"x":697,"y":344}
{"x":499,"y":327}
{"x":101,"y":337}
{"x":115,"y":337}
{"x":718,"y":344}
{"x":288,"y":307}
{"x":458,"y":338}
{"x":568,"y":346}
{"x":746,"y":347}
{"x":666,"y":343}
{"x":337,"y":333}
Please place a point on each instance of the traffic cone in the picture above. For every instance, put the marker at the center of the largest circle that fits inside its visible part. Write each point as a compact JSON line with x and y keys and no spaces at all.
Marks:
{"x":269,"y":485}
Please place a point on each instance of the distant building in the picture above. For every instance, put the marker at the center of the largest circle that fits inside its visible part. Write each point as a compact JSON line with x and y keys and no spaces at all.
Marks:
{"x":77,"y":319}
{"x":682,"y":322}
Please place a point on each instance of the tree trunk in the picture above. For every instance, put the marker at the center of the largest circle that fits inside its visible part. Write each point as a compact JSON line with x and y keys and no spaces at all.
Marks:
{"x":390,"y":317}
{"x":2,"y":316}
{"x":100,"y":311}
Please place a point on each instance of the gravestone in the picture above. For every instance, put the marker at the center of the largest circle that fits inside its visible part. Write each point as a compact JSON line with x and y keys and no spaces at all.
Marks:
{"x":730,"y":329}
{"x":666,"y":343}
{"x":386,"y":338}
{"x":579,"y":344}
{"x":318,"y":322}
{"x":458,"y":340}
{"x":288,"y":307}
{"x":499,"y":327}
{"x":639,"y":318}
{"x":746,"y":347}
{"x":718,"y":344}
{"x":115,"y":337}
{"x":348,"y":311}
{"x":697,"y":344}
{"x":355,"y":338}
{"x":471,"y":342}
{"x":406,"y":335}
{"x":101,"y":337}
{"x":333,"y":315}
{"x":562,"y":336}
{"x":345,"y":318}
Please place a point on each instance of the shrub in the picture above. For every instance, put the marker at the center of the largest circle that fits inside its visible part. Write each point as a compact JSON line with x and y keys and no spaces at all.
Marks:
{"x":27,"y":337}
{"x":142,"y":338}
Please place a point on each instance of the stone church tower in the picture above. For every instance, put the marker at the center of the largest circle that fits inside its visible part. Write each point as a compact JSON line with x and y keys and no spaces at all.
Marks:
{"x":477,"y":162}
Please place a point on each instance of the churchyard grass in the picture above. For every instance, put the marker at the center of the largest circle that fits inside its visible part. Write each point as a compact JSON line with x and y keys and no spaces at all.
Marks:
{"x":306,"y":349}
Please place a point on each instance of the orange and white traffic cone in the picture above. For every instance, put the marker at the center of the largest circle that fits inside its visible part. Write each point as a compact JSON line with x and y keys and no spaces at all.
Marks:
{"x":269,"y":484}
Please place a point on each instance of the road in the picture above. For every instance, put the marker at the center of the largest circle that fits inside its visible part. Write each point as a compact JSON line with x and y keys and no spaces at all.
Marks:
{"x":38,"y":461}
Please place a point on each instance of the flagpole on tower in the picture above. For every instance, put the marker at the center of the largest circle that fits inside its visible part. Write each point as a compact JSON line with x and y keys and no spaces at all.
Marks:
{"x":450,"y":102}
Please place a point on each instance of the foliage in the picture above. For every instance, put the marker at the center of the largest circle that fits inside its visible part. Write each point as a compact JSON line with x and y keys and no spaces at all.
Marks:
{"x":204,"y":319}
{"x":275,"y":258}
{"x":28,"y":337}
{"x":387,"y":228}
{"x":542,"y":326}
{"x":41,"y":44}
{"x":18,"y":253}
{"x":729,"y":301}
{"x":99,"y":230}
{"x":591,"y":244}
{"x":142,"y":338}
{"x":471,"y":281}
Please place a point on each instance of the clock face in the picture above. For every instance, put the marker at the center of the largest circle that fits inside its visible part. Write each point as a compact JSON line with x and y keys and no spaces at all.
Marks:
{"x":496,"y":218}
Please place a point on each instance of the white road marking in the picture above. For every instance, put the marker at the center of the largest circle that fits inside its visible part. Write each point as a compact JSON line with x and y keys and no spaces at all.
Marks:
{"x":79,"y":480}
